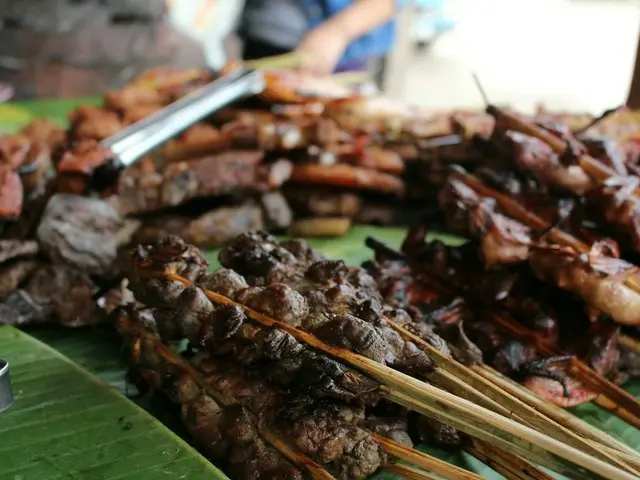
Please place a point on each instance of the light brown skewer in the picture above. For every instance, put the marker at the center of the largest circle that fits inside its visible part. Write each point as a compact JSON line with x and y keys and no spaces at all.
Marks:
{"x":411,"y":473}
{"x":423,"y":460}
{"x":510,"y":467}
{"x":304,"y":463}
{"x":435,"y":403}
{"x":623,"y":401}
{"x":629,"y":343}
{"x":556,"y":413}
{"x":528,"y":415}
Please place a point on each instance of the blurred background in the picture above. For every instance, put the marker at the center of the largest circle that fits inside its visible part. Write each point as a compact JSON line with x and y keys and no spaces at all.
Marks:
{"x":565,"y":54}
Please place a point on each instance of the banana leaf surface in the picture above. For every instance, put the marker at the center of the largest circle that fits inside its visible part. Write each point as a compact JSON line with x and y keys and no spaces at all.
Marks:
{"x":72,"y":418}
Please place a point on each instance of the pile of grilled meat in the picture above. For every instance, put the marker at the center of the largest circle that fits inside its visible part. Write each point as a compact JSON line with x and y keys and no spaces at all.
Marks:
{"x":239,"y":382}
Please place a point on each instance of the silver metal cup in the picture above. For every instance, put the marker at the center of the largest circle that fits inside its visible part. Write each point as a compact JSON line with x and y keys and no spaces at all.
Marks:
{"x":6,"y":394}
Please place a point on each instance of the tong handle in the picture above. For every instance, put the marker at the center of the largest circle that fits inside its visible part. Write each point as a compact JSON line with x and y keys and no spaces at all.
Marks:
{"x":138,"y":139}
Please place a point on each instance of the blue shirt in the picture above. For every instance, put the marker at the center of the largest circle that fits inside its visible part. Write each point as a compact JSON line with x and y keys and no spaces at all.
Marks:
{"x":283,"y":23}
{"x":376,"y":43}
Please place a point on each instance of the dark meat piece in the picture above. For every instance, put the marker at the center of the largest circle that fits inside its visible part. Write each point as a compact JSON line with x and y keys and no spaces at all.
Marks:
{"x":68,"y":291}
{"x":228,"y":434}
{"x":396,"y":428}
{"x":208,"y":176}
{"x":322,"y":202}
{"x":212,"y":175}
{"x":139,"y":187}
{"x":463,"y":349}
{"x":173,"y":254}
{"x":116,"y":297}
{"x":11,"y":192}
{"x":10,"y":249}
{"x":257,"y":254}
{"x":13,"y":273}
{"x":502,"y":240}
{"x":594,"y":280}
{"x":93,"y":123}
{"x":288,"y":362}
{"x":302,"y":251}
{"x":602,"y":352}
{"x":324,"y":430}
{"x":199,"y":139}
{"x":277,"y":300}
{"x":78,"y":164}
{"x":616,"y":202}
{"x":628,"y":366}
{"x":19,"y":308}
{"x":373,"y":213}
{"x":276,"y":212}
{"x":538,"y":159}
{"x":224,"y":281}
{"x":209,"y":230}
{"x":347,"y":176}
{"x":80,"y":232}
{"x":608,"y":152}
{"x":432,"y":431}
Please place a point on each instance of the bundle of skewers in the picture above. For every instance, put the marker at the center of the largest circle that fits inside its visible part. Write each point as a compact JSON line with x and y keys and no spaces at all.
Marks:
{"x":296,"y":367}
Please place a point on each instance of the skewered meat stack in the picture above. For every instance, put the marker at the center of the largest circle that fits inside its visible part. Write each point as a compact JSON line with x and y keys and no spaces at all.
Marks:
{"x":281,"y":314}
{"x":521,"y":263}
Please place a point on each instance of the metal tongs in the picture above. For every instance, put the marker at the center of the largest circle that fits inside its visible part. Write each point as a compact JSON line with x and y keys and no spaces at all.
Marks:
{"x":129,"y":145}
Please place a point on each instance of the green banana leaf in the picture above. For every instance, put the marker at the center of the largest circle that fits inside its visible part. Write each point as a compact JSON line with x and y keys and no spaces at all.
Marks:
{"x":52,"y":386}
{"x":67,"y":424}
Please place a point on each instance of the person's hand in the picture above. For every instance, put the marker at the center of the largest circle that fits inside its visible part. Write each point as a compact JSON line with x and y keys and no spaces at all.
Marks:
{"x":324,"y":46}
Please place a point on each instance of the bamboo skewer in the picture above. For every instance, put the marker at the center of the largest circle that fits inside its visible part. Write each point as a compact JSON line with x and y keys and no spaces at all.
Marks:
{"x":508,"y":466}
{"x":518,"y":408}
{"x":423,"y":460}
{"x":424,"y":398}
{"x":315,"y":471}
{"x":629,"y":343}
{"x":410,"y":473}
{"x":554,"y":412}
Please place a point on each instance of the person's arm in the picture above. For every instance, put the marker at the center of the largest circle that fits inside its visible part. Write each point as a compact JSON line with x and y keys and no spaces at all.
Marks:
{"x":362,"y":16}
{"x":326,"y":43}
{"x":633,"y":99}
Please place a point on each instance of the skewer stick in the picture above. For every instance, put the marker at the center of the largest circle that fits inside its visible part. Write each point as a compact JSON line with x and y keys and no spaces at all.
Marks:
{"x":411,"y":473}
{"x":509,"y":466}
{"x":478,"y":429}
{"x":423,"y":460}
{"x":554,"y":412}
{"x":435,"y":403}
{"x":629,"y":343}
{"x":315,"y":471}
{"x":519,"y":408}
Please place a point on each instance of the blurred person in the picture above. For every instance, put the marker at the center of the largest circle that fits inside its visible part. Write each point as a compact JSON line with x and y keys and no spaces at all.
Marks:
{"x":337,"y":35}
